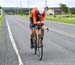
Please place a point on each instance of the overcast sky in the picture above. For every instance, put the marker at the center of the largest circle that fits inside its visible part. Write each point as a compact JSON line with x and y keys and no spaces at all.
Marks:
{"x":24,"y":3}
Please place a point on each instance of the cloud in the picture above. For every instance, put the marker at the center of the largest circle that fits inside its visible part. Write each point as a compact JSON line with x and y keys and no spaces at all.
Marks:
{"x":24,"y":3}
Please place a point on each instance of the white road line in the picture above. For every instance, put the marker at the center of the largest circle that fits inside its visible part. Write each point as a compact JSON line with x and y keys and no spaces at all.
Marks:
{"x":61,"y":23}
{"x":72,"y":35}
{"x":14,"y":44}
{"x":62,"y":32}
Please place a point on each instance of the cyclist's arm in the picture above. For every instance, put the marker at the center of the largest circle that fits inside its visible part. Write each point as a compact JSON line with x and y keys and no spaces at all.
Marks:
{"x":34,"y":16}
{"x":43,"y":17}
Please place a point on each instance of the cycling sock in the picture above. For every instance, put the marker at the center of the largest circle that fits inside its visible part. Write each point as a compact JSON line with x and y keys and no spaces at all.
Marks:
{"x":42,"y":38}
{"x":31,"y":41}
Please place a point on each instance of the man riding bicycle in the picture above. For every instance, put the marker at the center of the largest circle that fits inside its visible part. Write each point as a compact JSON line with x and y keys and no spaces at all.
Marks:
{"x":37,"y":18}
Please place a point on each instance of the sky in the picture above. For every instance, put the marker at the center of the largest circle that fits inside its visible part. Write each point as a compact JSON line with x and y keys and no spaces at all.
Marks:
{"x":32,"y":3}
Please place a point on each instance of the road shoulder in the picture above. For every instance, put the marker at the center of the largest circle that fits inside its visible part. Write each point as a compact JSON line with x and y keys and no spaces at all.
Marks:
{"x":7,"y":54}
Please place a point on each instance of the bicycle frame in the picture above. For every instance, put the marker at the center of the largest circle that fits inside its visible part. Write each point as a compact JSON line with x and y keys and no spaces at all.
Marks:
{"x":38,"y":29}
{"x":39,"y":42}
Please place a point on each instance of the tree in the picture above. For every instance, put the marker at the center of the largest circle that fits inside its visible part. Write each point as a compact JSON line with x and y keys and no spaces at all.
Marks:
{"x":0,"y":10}
{"x":0,"y":7}
{"x":64,"y":8}
{"x":72,"y":10}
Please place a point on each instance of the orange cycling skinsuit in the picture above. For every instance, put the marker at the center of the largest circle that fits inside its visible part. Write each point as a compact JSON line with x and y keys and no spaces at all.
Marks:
{"x":35,"y":17}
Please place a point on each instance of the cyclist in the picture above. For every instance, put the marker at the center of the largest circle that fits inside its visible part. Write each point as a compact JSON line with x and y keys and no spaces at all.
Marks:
{"x":37,"y":17}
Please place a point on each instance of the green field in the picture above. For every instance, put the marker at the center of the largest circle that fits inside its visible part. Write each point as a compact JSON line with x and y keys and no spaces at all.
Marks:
{"x":0,"y":21}
{"x":24,"y":16}
{"x":59,"y":18}
{"x":62,"y":19}
{"x":1,"y":18}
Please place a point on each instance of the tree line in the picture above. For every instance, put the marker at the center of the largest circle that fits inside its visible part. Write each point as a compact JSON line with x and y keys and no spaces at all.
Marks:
{"x":25,"y":11}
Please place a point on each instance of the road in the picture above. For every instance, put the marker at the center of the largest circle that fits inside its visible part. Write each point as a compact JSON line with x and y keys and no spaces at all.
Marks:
{"x":59,"y":43}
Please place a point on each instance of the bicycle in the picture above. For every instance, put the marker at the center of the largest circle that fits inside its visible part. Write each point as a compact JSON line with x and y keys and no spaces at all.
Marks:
{"x":38,"y":43}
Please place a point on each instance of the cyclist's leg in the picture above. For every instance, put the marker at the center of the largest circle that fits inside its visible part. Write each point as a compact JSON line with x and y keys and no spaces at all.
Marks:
{"x":42,"y":30}
{"x":41,"y":33}
{"x":33,"y":30}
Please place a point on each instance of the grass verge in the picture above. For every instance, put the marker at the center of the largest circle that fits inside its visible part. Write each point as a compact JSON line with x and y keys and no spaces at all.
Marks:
{"x":59,"y":18}
{"x":1,"y":18}
{"x":1,"y":21}
{"x":24,"y":16}
{"x":62,"y":19}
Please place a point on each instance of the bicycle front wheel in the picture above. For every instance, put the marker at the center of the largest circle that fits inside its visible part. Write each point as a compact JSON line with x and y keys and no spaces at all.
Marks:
{"x":40,"y":50}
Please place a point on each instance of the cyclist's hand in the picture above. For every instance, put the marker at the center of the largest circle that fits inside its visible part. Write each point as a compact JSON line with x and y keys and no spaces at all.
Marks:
{"x":35,"y":23}
{"x":38,"y":23}
{"x":42,"y":23}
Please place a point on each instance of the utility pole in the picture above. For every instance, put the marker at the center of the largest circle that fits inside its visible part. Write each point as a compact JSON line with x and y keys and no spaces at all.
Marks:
{"x":20,"y":7}
{"x":29,"y":6}
{"x":46,"y":3}
{"x":46,"y":7}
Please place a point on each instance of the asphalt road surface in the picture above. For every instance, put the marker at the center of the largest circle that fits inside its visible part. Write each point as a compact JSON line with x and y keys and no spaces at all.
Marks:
{"x":59,"y":44}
